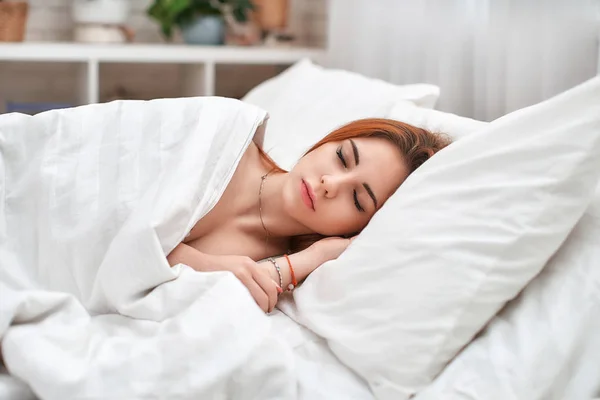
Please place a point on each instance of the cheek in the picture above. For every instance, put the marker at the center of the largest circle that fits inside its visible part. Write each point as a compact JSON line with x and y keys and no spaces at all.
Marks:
{"x":290,"y":198}
{"x":336,"y":219}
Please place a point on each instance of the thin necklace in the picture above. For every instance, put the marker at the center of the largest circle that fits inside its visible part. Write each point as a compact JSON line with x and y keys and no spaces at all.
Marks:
{"x":262,"y":182}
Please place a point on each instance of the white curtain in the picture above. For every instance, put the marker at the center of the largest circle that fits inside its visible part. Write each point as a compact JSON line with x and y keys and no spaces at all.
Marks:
{"x":489,"y":57}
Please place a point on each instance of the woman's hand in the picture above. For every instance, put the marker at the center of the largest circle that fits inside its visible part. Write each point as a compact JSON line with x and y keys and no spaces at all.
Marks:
{"x":256,"y":277}
{"x":262,"y":279}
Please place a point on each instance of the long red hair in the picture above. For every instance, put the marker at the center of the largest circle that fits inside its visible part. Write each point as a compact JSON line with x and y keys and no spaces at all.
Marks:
{"x":416,"y":145}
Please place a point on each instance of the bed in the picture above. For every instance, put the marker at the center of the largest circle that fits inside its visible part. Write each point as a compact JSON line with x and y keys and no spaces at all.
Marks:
{"x":535,"y":336}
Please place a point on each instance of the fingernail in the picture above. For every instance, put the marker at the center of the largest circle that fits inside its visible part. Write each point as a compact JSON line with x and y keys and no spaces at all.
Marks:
{"x":279,"y":290}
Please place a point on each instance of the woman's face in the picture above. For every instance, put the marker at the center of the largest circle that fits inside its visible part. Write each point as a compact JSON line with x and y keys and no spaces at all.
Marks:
{"x":336,"y":189}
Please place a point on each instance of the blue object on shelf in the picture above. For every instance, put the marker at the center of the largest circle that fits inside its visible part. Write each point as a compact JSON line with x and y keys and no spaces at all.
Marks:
{"x":204,"y":30}
{"x":34,"y":108}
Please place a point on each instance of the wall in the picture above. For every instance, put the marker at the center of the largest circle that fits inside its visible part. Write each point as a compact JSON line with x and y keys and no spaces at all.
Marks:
{"x":50,"y":20}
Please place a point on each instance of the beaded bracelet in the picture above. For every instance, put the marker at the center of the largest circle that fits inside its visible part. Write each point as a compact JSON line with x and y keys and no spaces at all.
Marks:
{"x":294,"y":283}
{"x":272,"y":260}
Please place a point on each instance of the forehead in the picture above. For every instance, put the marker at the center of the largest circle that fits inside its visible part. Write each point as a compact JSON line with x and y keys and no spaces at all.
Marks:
{"x":382,"y":162}
{"x":375,"y":149}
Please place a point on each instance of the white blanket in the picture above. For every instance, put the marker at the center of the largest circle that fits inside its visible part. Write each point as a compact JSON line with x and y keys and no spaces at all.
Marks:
{"x":91,"y":201}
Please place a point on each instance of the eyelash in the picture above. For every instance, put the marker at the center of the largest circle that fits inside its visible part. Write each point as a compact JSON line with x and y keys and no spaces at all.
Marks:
{"x":341,"y":157}
{"x":343,"y":161}
{"x":358,"y":206}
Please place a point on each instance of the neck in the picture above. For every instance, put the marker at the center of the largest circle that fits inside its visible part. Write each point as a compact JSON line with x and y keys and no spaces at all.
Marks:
{"x":277,"y":221}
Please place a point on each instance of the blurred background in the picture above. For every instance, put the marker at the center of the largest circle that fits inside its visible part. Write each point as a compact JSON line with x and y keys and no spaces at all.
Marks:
{"x":489,"y":57}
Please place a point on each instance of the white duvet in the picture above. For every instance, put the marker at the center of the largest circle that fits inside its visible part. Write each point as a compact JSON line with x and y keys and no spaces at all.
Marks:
{"x":92,"y":200}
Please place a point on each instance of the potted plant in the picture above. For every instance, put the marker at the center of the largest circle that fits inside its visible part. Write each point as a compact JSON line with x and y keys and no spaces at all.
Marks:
{"x":101,"y":21}
{"x":200,"y":21}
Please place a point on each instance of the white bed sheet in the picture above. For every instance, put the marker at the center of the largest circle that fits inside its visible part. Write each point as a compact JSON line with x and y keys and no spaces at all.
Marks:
{"x":321,"y":375}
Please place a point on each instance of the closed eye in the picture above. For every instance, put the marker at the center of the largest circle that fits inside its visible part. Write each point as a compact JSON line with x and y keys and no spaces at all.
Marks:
{"x":356,"y":203}
{"x":341,"y":157}
{"x":345,"y":164}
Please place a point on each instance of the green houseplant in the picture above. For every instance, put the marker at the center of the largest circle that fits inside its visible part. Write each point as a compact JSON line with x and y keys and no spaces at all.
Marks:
{"x":191,"y":14}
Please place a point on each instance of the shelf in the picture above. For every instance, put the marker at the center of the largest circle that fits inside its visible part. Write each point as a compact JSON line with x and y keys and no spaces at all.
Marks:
{"x":198,"y":63}
{"x":154,"y":53}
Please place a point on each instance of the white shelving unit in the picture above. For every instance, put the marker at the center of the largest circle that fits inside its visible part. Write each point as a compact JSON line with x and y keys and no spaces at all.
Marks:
{"x":199,"y":61}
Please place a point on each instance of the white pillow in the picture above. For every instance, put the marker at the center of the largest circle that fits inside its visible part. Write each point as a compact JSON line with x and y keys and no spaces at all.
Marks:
{"x":307,"y":101}
{"x":462,"y":236}
{"x":453,"y":125}
{"x":553,"y":324}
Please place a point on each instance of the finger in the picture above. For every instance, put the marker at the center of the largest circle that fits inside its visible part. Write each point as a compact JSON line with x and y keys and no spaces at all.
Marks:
{"x":263,"y":278}
{"x":268,"y":286}
{"x":257,"y":293}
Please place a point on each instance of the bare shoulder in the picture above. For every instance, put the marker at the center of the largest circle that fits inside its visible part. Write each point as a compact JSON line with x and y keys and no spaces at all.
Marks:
{"x":235,"y":200}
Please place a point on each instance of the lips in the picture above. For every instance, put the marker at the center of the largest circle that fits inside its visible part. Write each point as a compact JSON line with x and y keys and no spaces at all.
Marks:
{"x":308,"y":196}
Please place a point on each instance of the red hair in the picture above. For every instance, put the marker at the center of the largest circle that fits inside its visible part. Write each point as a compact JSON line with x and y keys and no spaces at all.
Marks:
{"x":416,"y":145}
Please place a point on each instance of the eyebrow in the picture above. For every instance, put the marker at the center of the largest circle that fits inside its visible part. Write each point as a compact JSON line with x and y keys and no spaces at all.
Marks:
{"x":355,"y":150}
{"x":371,"y":194}
{"x":365,"y":185}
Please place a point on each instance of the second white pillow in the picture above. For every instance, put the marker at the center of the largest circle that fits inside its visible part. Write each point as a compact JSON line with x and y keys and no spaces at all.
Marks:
{"x":307,"y":101}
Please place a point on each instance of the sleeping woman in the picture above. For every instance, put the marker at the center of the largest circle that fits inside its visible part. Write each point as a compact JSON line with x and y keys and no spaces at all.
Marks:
{"x":310,"y":212}
{"x":95,"y":203}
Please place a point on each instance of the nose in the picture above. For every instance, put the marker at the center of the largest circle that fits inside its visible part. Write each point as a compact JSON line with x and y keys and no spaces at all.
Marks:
{"x":331,"y":184}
